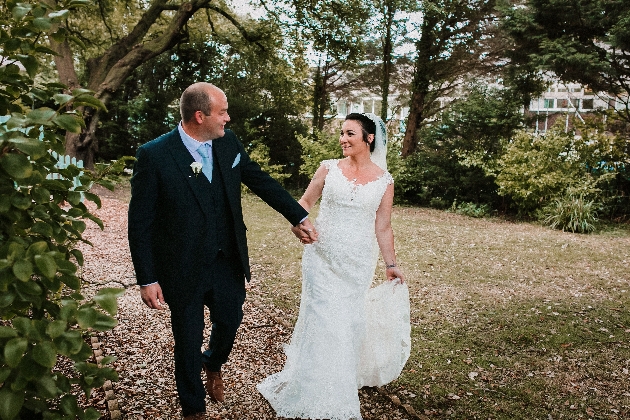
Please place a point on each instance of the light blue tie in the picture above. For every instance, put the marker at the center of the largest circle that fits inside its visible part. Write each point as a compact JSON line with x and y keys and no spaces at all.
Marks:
{"x":205,"y":150}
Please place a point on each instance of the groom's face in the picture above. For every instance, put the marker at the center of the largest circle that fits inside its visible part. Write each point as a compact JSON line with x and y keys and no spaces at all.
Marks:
{"x":214,"y":124}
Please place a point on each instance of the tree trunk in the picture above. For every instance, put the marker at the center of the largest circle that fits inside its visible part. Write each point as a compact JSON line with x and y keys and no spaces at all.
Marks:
{"x":387,"y":59}
{"x":421,"y":84}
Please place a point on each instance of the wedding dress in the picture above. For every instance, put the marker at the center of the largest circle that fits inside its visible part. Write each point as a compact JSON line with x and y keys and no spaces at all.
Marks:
{"x":329,"y":358}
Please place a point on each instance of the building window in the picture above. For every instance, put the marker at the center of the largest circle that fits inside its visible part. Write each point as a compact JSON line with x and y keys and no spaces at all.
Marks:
{"x":549,"y":103}
{"x":587,"y":103}
{"x":342,"y":108}
{"x":563,"y":103}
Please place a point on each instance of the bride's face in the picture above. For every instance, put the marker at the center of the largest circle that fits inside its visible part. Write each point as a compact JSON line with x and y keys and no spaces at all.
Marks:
{"x":351,"y":139}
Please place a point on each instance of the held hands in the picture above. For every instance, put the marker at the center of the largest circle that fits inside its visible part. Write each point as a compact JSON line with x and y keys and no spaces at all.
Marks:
{"x":152,"y":296}
{"x":305,"y":232}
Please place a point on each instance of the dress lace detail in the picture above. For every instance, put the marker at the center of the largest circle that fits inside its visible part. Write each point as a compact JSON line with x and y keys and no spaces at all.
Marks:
{"x":321,"y":376}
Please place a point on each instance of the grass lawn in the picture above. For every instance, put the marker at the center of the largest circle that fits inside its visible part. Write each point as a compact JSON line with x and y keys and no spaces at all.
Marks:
{"x":509,"y":321}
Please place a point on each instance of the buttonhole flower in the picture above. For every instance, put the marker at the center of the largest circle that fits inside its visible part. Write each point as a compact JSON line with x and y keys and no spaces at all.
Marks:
{"x":196,"y":168}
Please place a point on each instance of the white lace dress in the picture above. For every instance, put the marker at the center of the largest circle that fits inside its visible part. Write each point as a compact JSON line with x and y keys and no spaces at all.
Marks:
{"x":324,"y":363}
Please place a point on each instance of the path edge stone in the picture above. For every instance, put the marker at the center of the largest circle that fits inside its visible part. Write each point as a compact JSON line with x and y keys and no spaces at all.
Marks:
{"x":111,"y":402}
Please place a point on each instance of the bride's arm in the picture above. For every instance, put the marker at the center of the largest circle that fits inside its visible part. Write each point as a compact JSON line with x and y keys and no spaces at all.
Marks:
{"x":314,"y":189}
{"x":385,"y":234}
{"x":308,"y":200}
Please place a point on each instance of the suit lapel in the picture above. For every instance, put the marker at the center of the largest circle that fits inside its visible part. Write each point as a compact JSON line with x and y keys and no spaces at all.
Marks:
{"x":198,"y":183}
{"x":222,"y":157}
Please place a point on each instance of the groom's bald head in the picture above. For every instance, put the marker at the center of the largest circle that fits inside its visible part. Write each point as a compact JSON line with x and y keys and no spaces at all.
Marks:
{"x":197,"y":97}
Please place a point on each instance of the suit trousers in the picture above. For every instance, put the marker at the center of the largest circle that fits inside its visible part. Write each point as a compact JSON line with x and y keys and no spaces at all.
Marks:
{"x":223,"y":292}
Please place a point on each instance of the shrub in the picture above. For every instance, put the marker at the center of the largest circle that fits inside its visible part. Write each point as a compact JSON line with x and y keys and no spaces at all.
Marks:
{"x":41,"y":222}
{"x":571,"y":213}
{"x":471,"y":209}
{"x":320,"y":146}
{"x":536,"y":170}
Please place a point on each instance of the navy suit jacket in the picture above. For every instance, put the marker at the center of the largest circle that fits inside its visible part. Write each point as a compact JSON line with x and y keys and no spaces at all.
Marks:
{"x":169,"y":217}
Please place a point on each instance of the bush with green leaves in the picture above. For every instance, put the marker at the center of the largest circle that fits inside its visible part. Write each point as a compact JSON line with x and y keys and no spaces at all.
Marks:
{"x":470,"y":209}
{"x":570,"y":213}
{"x":44,"y":316}
{"x":316,"y":148}
{"x":458,"y":151}
{"x":537,"y":170}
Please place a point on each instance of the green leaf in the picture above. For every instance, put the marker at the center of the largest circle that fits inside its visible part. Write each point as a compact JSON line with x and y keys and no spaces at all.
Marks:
{"x":66,"y":267}
{"x":42,"y":228}
{"x":104,"y":322}
{"x":56,"y":328}
{"x":5,"y":372}
{"x":46,"y":265}
{"x":93,"y":198}
{"x":45,"y":354}
{"x":40,"y":116}
{"x":29,"y":288}
{"x":31,"y":147}
{"x":91,"y":414}
{"x":29,"y":62}
{"x":37,"y":248}
{"x":72,"y":282}
{"x":7,"y":332}
{"x":86,"y":317}
{"x":23,"y":325}
{"x":10,"y":403}
{"x":17,"y":165}
{"x":89,"y":101}
{"x":21,"y":10}
{"x":41,"y":195}
{"x":21,"y":201}
{"x":108,"y":359}
{"x":62,"y":98}
{"x":69,"y":405}
{"x":74,"y":198}
{"x":23,"y":269}
{"x":6,"y":299}
{"x":42,"y":24}
{"x":69,"y":122}
{"x":78,"y":255}
{"x":47,"y":386}
{"x":59,"y":14}
{"x":14,"y":350}
{"x":107,"y":299}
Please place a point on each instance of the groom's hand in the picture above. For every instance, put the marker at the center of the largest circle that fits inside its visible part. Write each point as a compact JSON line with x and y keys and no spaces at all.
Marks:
{"x":152,"y":296}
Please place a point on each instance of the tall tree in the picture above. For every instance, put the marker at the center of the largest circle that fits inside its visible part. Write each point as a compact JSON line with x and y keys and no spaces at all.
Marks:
{"x":115,"y":38}
{"x":583,"y":41}
{"x":391,"y":20}
{"x":456,"y":43}
{"x":334,"y":31}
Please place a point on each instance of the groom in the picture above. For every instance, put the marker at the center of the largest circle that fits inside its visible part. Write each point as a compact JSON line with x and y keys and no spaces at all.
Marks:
{"x":188,"y":240}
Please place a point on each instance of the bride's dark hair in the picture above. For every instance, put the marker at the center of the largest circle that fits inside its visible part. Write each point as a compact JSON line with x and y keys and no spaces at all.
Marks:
{"x":367,"y":126}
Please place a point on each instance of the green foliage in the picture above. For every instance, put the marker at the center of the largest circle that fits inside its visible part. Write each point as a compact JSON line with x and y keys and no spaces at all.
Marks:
{"x":537,"y":170}
{"x":585,"y":42}
{"x":470,"y":209}
{"x":571,"y":213}
{"x":315,"y":149}
{"x":42,"y":218}
{"x":457,"y":154}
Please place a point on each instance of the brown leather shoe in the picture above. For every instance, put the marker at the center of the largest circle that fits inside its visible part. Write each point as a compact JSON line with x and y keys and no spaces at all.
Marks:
{"x":214,"y":385}
{"x":196,"y":416}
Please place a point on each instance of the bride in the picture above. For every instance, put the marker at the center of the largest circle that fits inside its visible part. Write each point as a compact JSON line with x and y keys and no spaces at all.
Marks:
{"x":330,"y":355}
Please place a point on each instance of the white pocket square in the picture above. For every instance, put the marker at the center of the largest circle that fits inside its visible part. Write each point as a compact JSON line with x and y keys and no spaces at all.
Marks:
{"x":237,"y":159}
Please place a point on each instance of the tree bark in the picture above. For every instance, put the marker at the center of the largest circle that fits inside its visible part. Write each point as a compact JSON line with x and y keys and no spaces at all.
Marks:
{"x":387,"y":57}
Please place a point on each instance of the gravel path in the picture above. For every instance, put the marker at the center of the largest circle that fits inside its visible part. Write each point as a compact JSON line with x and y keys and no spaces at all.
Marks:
{"x":143,"y":342}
